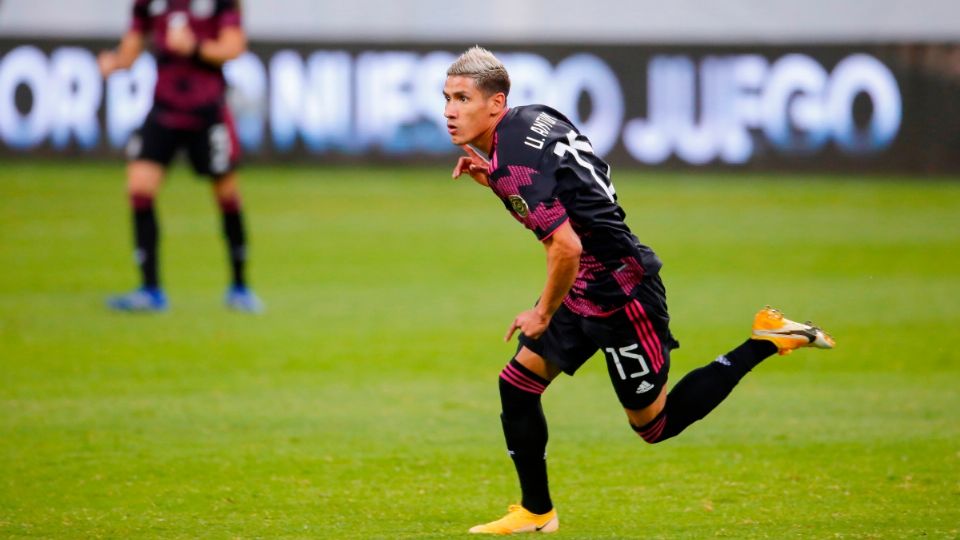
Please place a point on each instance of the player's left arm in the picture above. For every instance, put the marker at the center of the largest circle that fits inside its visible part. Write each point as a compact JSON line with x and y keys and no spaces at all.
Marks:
{"x":231,"y":40}
{"x":230,"y":43}
{"x":563,"y":261}
{"x":473,"y":164}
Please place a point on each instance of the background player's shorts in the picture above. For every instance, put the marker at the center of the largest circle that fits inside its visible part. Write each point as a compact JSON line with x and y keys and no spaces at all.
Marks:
{"x":635,"y":340}
{"x":213,"y":149}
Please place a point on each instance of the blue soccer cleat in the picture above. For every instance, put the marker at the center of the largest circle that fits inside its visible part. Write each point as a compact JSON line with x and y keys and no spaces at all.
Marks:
{"x":142,"y":300}
{"x":243,"y":299}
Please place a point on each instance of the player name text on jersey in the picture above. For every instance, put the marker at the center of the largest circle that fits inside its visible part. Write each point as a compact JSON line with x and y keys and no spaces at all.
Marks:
{"x":541,"y":126}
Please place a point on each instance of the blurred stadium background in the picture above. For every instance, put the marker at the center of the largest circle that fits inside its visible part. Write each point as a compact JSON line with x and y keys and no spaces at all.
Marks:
{"x":801,"y":154}
{"x":746,"y":85}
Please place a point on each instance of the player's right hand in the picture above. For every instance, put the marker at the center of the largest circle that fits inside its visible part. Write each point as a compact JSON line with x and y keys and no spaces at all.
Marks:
{"x":474,"y":165}
{"x":531,"y":323}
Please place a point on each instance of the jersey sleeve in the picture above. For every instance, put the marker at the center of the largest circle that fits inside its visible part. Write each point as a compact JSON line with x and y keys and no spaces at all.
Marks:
{"x":141,"y":17}
{"x":526,"y":179}
{"x":535,"y":203}
{"x":228,"y":13}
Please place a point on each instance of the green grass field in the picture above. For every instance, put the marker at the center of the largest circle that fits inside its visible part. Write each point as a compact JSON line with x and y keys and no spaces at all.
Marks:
{"x":363,"y":403}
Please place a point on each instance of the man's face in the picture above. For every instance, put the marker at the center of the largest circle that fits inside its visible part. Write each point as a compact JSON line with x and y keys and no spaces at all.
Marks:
{"x":469,"y":113}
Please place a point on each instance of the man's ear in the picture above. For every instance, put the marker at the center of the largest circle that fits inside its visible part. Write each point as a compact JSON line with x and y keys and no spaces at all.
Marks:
{"x":498,"y":101}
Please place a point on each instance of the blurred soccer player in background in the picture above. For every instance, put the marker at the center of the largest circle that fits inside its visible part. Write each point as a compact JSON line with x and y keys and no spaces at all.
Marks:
{"x":191,"y":40}
{"x":602,"y":292}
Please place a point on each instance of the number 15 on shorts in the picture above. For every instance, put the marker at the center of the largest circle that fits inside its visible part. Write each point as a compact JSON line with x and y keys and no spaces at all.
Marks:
{"x":627,"y":352}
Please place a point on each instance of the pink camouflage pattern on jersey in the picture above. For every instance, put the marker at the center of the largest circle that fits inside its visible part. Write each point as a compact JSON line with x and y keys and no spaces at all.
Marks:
{"x":538,"y":219}
{"x":590,"y":267}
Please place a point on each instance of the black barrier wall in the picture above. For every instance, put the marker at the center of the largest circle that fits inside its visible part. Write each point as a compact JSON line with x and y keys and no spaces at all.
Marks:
{"x":850,"y":108}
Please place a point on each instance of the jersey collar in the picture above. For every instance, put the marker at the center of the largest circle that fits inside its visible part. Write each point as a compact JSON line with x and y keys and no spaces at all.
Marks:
{"x":493,"y":147}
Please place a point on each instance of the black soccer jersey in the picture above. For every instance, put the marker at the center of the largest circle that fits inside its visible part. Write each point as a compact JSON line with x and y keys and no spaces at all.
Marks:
{"x":546,"y":173}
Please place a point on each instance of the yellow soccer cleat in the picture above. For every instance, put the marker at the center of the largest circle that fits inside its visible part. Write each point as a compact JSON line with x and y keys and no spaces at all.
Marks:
{"x":520,"y":520}
{"x":787,"y":335}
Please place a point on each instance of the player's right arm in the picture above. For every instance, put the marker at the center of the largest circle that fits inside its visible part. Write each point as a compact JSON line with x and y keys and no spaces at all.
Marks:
{"x":563,"y":262}
{"x":131,"y":45}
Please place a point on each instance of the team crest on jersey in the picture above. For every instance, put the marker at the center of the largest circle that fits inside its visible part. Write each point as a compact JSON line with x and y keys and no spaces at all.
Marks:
{"x":519,"y":205}
{"x":157,"y":7}
{"x":201,"y":9}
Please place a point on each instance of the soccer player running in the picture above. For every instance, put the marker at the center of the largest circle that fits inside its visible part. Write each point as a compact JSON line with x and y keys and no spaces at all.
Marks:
{"x":191,"y":40}
{"x":602,"y":292}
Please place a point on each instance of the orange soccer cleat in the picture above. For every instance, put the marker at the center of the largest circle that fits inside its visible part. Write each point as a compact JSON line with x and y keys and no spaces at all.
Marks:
{"x":520,"y":520}
{"x":787,"y":335}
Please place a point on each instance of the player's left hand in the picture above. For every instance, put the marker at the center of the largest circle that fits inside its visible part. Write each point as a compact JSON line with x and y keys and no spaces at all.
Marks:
{"x":530,"y":322}
{"x":181,"y":39}
{"x":473,"y":164}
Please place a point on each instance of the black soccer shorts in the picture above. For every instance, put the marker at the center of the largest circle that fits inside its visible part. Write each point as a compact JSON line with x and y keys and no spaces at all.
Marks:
{"x":213,"y":149}
{"x":635,"y":340}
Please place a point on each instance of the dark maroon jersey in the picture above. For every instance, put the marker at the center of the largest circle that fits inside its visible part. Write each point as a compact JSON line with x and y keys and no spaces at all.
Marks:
{"x":546,"y":173}
{"x":189,"y":91}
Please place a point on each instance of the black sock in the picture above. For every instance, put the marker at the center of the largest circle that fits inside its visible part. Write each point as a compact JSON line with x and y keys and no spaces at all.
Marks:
{"x":146,"y":238}
{"x":525,"y":431}
{"x":235,"y":235}
{"x":701,"y":390}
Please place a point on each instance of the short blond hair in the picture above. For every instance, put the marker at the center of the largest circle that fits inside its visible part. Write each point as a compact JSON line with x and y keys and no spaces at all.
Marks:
{"x":484,"y":68}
